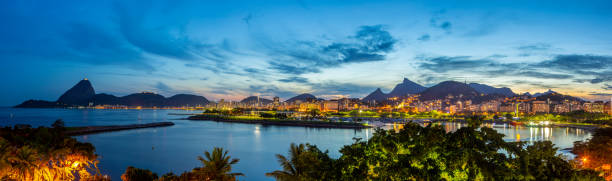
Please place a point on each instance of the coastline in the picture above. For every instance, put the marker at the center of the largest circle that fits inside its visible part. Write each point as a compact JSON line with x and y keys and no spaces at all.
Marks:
{"x":76,"y":131}
{"x":296,"y":123}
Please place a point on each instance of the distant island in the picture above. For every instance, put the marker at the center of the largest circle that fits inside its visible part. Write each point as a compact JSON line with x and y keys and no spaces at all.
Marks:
{"x":83,"y":94}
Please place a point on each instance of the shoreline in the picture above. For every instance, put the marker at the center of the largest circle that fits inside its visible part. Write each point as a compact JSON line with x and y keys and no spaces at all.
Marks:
{"x":296,"y":123}
{"x":76,"y":131}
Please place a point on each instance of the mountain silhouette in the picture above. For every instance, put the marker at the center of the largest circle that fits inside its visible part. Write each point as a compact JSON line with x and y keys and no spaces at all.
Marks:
{"x":447,"y":88}
{"x":458,"y":91}
{"x":255,"y":99}
{"x":80,"y":94}
{"x":303,"y":98}
{"x":486,"y":89}
{"x":186,"y":100}
{"x":543,"y":93}
{"x":405,"y":88}
{"x":377,"y":96}
{"x":554,"y":96}
{"x":40,"y":104}
{"x":83,"y":93}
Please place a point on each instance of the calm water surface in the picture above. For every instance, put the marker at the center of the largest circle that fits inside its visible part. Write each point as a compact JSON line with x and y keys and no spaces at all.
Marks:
{"x":176,"y":148}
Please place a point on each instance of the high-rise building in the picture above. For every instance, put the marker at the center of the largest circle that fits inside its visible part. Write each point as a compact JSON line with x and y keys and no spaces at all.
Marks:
{"x":540,"y":107}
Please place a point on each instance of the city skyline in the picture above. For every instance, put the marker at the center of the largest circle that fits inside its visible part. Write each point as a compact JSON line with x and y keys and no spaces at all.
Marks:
{"x":232,"y":50}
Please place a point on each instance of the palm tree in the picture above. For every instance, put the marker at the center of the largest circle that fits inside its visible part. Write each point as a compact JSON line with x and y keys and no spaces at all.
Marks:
{"x":293,"y":168}
{"x":25,"y":163}
{"x":217,"y":166}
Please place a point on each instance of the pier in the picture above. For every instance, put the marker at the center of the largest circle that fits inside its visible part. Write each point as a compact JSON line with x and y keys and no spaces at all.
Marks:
{"x":73,"y":131}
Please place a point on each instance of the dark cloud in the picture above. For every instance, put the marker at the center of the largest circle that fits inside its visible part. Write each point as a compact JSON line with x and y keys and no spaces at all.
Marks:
{"x":607,"y":87}
{"x":535,"y":47}
{"x":599,"y":68}
{"x":168,"y":40}
{"x":579,"y":62}
{"x":370,"y":43}
{"x":600,"y":94}
{"x":163,"y":87}
{"x":580,"y":68}
{"x":294,"y":79}
{"x":270,"y":90}
{"x":445,"y":64}
{"x":338,"y":88}
{"x":56,"y":35}
{"x":544,"y":75}
{"x":425,"y":37}
{"x":536,"y":84}
{"x":167,"y":90}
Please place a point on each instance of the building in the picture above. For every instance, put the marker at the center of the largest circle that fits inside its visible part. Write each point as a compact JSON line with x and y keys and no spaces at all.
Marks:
{"x":331,"y":105}
{"x":594,"y":107}
{"x":608,"y":107}
{"x":540,"y":107}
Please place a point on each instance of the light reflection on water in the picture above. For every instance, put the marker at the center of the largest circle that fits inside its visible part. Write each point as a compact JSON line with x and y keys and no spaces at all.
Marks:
{"x":176,"y":148}
{"x":561,"y":137}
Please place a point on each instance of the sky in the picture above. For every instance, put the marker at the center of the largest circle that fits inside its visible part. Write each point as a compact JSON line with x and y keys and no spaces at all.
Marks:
{"x":234,"y":49}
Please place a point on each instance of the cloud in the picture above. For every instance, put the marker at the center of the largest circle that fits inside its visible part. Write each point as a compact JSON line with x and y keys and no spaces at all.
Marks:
{"x":534,"y":47}
{"x":344,"y":89}
{"x":60,"y":37}
{"x":445,"y":63}
{"x":294,"y":79}
{"x":370,"y":43}
{"x":163,"y":87}
{"x":425,"y":37}
{"x":545,"y":75}
{"x":599,"y":68}
{"x":169,"y":40}
{"x":436,"y":22}
{"x":579,"y":62}
{"x":607,"y":87}
{"x":270,"y":90}
{"x":600,"y":94}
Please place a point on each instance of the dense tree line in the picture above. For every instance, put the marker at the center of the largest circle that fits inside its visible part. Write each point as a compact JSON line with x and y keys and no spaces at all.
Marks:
{"x":215,"y":166}
{"x":45,"y":154}
{"x":596,"y":153}
{"x":430,"y":153}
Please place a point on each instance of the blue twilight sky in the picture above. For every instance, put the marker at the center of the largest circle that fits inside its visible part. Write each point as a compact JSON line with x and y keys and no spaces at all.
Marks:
{"x":233,"y":49}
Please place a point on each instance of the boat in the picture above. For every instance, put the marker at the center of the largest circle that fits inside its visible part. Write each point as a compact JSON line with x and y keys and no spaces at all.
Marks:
{"x":516,"y":123}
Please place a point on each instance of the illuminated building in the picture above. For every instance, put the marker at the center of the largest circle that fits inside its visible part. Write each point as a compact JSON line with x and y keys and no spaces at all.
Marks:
{"x":540,"y":107}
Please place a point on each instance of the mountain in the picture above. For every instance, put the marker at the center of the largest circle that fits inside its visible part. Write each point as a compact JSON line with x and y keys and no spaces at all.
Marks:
{"x":302,"y":97}
{"x":486,"y":89}
{"x":186,"y":100}
{"x":377,"y":96}
{"x":556,"y":97}
{"x":405,"y":88}
{"x":146,"y":99}
{"x":254,"y":99}
{"x":80,"y":94}
{"x":106,"y":99}
{"x":83,"y":93}
{"x":544,"y":93}
{"x":40,"y":104}
{"x":443,"y":89}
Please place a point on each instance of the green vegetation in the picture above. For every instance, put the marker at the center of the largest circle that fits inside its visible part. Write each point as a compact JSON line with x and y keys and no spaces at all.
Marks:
{"x":595,"y":153}
{"x":429,"y":153}
{"x":45,"y":154}
{"x":574,"y":117}
{"x":216,"y":166}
